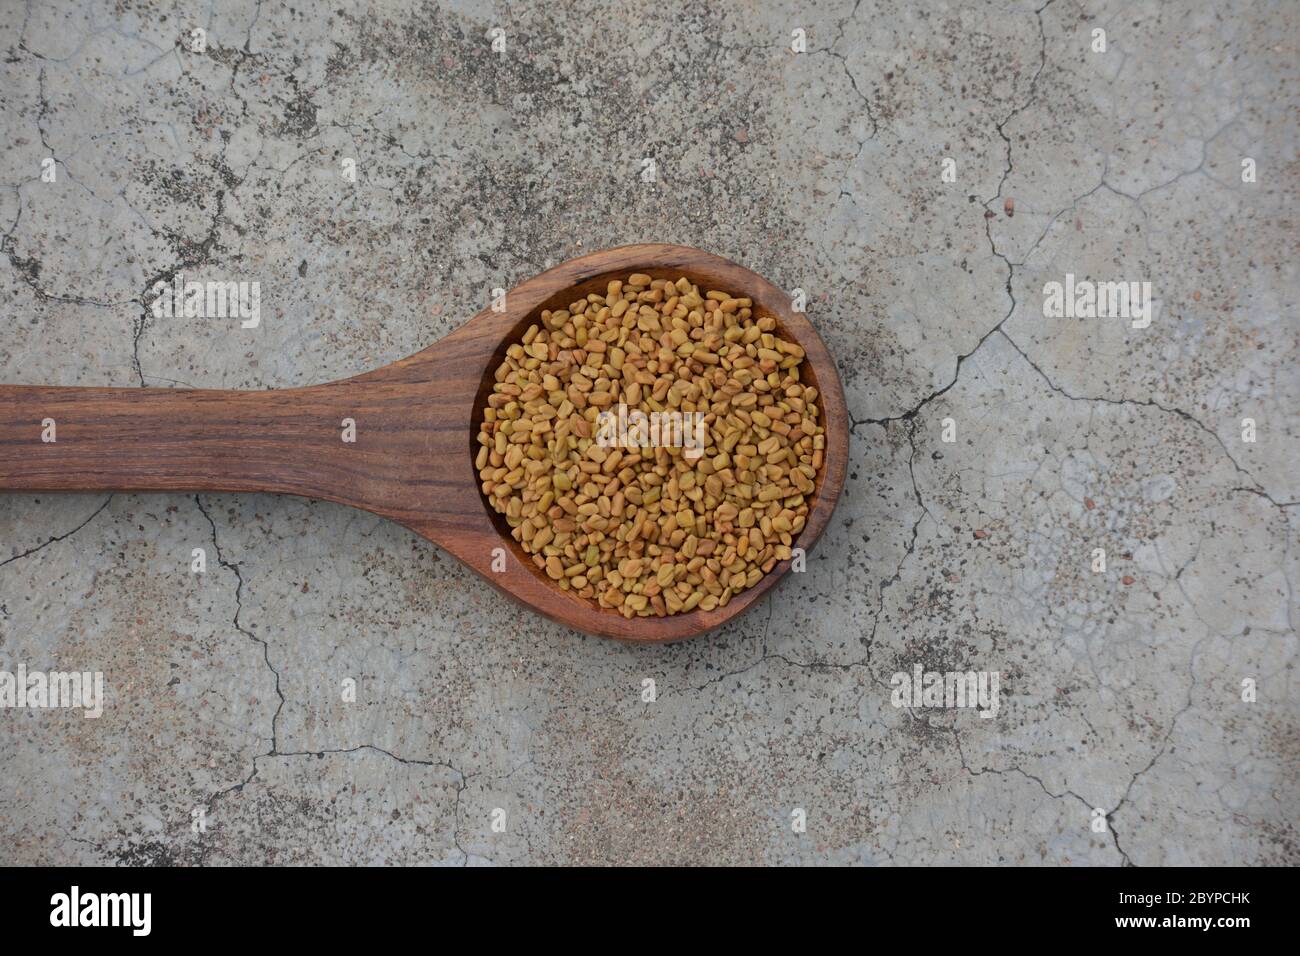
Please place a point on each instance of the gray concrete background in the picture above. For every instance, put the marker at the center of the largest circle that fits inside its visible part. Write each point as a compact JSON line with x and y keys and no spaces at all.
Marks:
{"x":1121,"y":691}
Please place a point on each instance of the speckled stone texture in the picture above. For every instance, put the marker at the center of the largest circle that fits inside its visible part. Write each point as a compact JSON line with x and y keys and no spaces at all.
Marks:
{"x":1122,"y":734}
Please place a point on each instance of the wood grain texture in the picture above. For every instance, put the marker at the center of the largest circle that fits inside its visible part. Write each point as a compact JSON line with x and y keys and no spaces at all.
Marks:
{"x":416,"y":422}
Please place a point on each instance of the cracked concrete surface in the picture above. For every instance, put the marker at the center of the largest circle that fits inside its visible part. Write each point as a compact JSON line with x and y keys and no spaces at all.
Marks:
{"x":1121,"y":691}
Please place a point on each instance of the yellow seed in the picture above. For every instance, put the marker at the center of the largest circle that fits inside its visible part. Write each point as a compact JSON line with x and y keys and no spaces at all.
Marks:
{"x":646,"y":527}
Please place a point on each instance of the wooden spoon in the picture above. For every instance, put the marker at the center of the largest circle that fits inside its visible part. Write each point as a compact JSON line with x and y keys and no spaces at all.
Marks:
{"x":416,"y":427}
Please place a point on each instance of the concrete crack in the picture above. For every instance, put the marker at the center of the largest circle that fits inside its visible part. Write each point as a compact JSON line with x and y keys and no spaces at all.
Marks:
{"x":1149,"y":403}
{"x":988,"y":232}
{"x":189,"y":254}
{"x":866,"y":103}
{"x":59,"y":537}
{"x":889,"y":582}
{"x":1029,"y":99}
{"x":239,"y":606}
{"x":462,"y":781}
{"x":1160,"y":752}
{"x":1124,"y":860}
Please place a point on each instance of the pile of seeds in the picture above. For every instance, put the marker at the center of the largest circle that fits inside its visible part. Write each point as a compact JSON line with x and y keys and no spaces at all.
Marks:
{"x":652,"y":530}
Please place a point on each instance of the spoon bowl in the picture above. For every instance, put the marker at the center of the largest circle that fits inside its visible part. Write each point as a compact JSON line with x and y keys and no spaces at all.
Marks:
{"x":414,"y":425}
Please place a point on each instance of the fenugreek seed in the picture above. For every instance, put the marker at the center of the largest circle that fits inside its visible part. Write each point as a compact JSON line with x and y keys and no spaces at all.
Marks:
{"x":658,"y":531}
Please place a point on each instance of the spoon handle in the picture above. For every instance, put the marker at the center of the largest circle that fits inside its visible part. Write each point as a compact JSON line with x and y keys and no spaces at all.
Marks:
{"x":163,"y":439}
